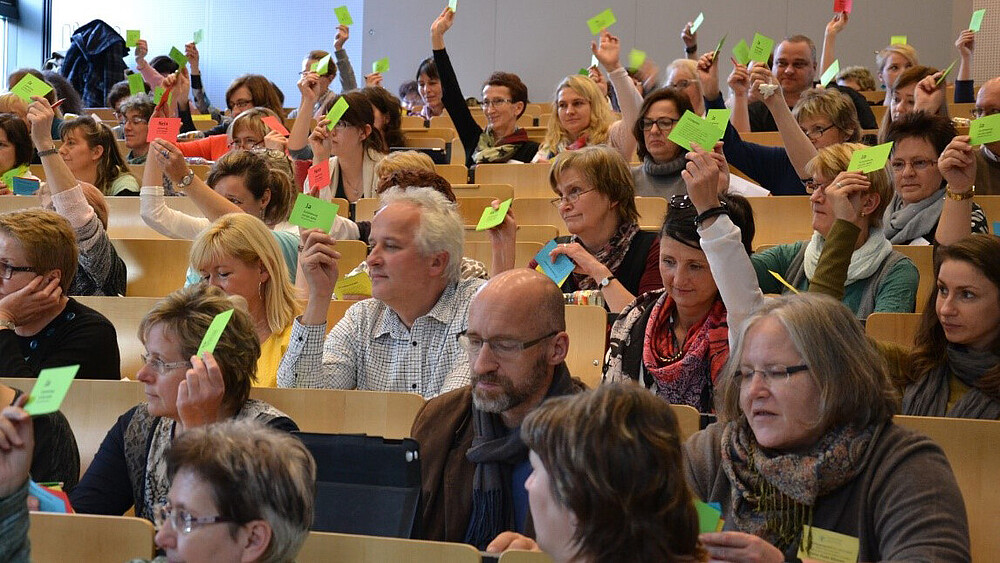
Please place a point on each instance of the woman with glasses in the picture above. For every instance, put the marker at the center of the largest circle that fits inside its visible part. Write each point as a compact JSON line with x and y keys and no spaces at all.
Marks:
{"x":596,"y":199}
{"x":183,"y":391}
{"x":504,"y":100}
{"x":674,"y":340}
{"x":134,"y":114}
{"x":583,"y":113}
{"x":912,"y":217}
{"x":40,"y":325}
{"x":352,"y":147}
{"x":682,"y":74}
{"x":265,"y":519}
{"x":659,"y":175}
{"x":822,"y":117}
{"x":808,"y":447}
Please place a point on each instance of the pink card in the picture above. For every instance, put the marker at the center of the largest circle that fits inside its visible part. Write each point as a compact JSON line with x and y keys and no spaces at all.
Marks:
{"x":319,"y":175}
{"x":166,"y":128}
{"x":843,"y":6}
{"x":275,"y":124}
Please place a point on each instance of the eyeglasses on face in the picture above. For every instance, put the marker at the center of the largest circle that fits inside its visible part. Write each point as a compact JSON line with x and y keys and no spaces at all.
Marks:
{"x":663,"y":123}
{"x":245,"y":144}
{"x":571,"y":197}
{"x":978,"y":113}
{"x":503,"y":348}
{"x":817,"y":132}
{"x":919,"y":164}
{"x":497,"y":103}
{"x":812,"y":186}
{"x":161,"y":367}
{"x":771,"y":374}
{"x":6,"y":270}
{"x":181,"y":520}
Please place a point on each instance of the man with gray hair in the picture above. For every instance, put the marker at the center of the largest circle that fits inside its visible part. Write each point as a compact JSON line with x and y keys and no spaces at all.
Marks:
{"x":474,"y":463}
{"x":406,"y":337}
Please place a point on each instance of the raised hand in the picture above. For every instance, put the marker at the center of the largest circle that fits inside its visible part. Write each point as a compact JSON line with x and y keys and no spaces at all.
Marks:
{"x":690,"y":39}
{"x":319,"y":261}
{"x":845,"y":194}
{"x":837,"y":23}
{"x":957,"y":164}
{"x":701,"y":176}
{"x":607,"y":50}
{"x":200,"y":394}
{"x":40,"y":116}
{"x":193,"y":57}
{"x":739,"y":80}
{"x":708,"y":74}
{"x":343,"y":33}
{"x":141,"y":50}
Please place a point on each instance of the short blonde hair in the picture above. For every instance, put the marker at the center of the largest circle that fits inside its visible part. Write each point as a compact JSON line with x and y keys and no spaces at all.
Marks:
{"x":247,"y":238}
{"x":12,"y":103}
{"x":833,"y":160}
{"x":605,"y":170}
{"x":833,"y":105}
{"x":48,"y":240}
{"x":402,"y":160}
{"x":601,"y":116}
{"x":187,"y":313}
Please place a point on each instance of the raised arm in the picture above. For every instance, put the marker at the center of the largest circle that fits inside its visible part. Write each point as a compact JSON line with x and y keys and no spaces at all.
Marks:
{"x":847,"y":194}
{"x":154,"y":210}
{"x":451,"y":93}
{"x":347,"y":79}
{"x":149,"y":74}
{"x":957,"y":164}
{"x":309,"y":91}
{"x":690,"y":40}
{"x":966,"y":45}
{"x":57,"y":174}
{"x":739,"y":104}
{"x":211,"y":204}
{"x":836,"y":24}
{"x":607,"y":51}
{"x":798,"y":146}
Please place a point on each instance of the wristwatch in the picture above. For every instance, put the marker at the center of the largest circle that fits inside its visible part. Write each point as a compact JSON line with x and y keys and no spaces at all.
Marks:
{"x":606,"y":281}
{"x":186,"y":180}
{"x":959,"y":196}
{"x":6,"y":324}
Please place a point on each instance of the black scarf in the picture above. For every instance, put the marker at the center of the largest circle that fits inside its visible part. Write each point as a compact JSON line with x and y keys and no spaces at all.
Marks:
{"x":495,"y":450}
{"x":929,"y":396}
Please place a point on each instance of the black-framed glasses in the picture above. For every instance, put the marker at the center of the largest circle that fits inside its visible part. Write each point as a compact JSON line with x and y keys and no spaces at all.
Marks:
{"x":6,"y":270}
{"x":502,"y":347}
{"x":817,"y":132}
{"x":181,"y":519}
{"x":663,"y":123}
{"x":571,"y":197}
{"x":770,"y":374}
{"x":812,"y":186}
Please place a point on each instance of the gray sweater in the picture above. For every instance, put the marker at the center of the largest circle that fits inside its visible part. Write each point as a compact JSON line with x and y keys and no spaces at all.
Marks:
{"x":659,"y":180}
{"x":903,"y":505}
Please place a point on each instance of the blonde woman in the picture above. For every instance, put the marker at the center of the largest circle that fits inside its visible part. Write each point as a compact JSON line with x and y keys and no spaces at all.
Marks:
{"x":583,"y":114}
{"x":238,"y":254}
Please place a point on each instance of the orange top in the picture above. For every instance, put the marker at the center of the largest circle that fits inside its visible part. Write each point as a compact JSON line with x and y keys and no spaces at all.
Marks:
{"x":209,"y":148}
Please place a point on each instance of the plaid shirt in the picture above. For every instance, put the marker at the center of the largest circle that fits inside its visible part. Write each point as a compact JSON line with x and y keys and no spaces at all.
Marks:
{"x":371,"y":349}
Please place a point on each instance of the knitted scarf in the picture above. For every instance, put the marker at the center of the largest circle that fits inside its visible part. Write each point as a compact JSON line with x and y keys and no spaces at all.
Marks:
{"x":495,"y":450}
{"x":775,"y":493}
{"x":907,"y":221}
{"x":929,"y":396}
{"x":611,"y":255}
{"x":489,"y":149}
{"x":684,"y":380}
{"x":865,"y":261}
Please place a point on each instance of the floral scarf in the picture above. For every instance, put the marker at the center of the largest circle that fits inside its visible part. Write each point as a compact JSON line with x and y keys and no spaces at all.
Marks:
{"x":774,"y":493}
{"x":491,"y":150}
{"x":611,"y":255}
{"x":684,"y":380}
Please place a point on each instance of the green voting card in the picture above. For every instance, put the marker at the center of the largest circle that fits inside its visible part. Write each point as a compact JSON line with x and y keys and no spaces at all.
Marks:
{"x":830,"y":73}
{"x":381,"y":65}
{"x":709,"y":517}
{"x":214,"y":332}
{"x":8,"y":177}
{"x":132,"y":37}
{"x":870,"y":159}
{"x":692,"y":128}
{"x":178,"y":57}
{"x":715,"y":54}
{"x":742,"y":52}
{"x":336,"y":112}
{"x":493,"y":217}
{"x":697,"y":22}
{"x":601,"y":21}
{"x":984,"y":130}
{"x":947,"y":71}
{"x":322,"y":66}
{"x":136,"y":84}
{"x":30,"y":86}
{"x":50,"y":390}
{"x":343,"y":15}
{"x":718,"y":117}
{"x":453,"y":5}
{"x":157,"y":94}
{"x":357,"y":284}
{"x":977,"y":19}
{"x":823,"y":545}
{"x":760,"y":49}
{"x":199,"y":36}
{"x":313,"y":213}
{"x":636,"y":58}
{"x":897,"y":40}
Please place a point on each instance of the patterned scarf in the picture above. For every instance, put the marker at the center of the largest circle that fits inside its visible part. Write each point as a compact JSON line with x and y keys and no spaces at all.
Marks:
{"x":579,"y":143}
{"x":774,"y":493}
{"x":495,"y":450}
{"x":490,"y":150}
{"x":611,"y":255}
{"x":684,"y":380}
{"x":930,"y":395}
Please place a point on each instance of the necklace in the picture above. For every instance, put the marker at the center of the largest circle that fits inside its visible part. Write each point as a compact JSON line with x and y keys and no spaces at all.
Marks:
{"x":678,"y":350}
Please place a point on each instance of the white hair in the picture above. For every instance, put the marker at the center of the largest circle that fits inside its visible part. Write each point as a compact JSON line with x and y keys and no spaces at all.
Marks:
{"x":440,"y":227}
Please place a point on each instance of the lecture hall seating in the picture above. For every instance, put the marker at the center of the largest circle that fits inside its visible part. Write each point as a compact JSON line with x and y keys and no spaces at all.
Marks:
{"x":323,"y":547}
{"x":90,"y":538}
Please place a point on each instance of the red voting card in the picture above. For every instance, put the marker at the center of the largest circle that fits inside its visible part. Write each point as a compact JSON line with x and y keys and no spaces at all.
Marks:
{"x":319,"y":175}
{"x":166,"y":128}
{"x":274,"y":124}
{"x":843,"y":6}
